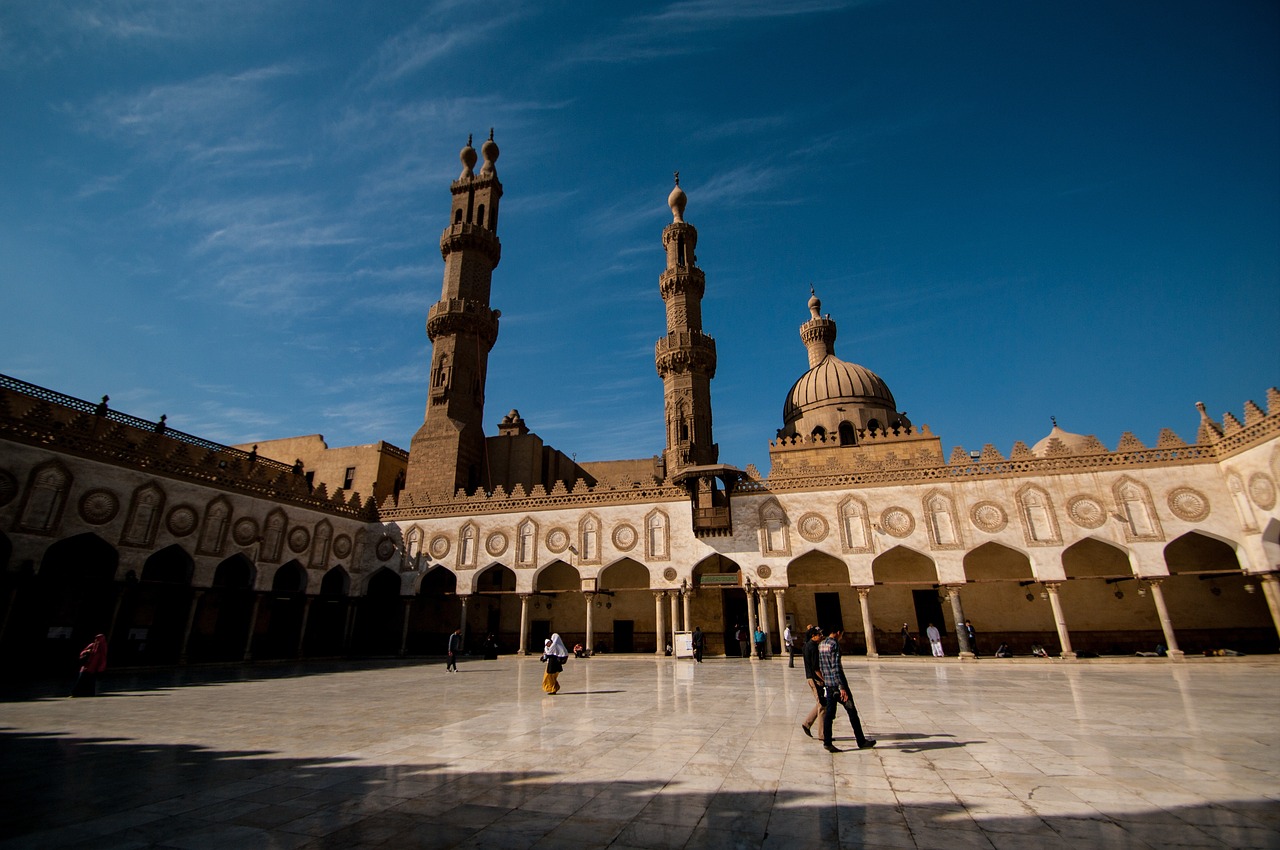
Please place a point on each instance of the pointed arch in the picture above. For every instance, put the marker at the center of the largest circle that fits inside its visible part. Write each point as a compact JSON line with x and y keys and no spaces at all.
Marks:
{"x":143,"y":519}
{"x":848,"y":436}
{"x":818,"y":568}
{"x":495,"y":578}
{"x":383,"y":584}
{"x":170,"y":565}
{"x":273,"y":536}
{"x":775,"y":537}
{"x":235,"y":573}
{"x":438,"y":580}
{"x":557,"y":575}
{"x":1039,"y":520}
{"x":1133,"y":499}
{"x":290,"y":577}
{"x":1095,"y":558}
{"x":413,"y":543}
{"x":903,"y":565}
{"x":996,"y":562}
{"x":657,"y":544}
{"x":44,"y":499}
{"x":213,"y":534}
{"x":941,"y":520}
{"x":336,"y":583}
{"x":1197,"y":552}
{"x":625,"y":574}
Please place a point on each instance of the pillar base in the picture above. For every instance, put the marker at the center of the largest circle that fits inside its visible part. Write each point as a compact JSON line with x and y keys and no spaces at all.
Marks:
{"x":1068,"y":656}
{"x":968,"y":656}
{"x":873,"y":655}
{"x":521,"y":652}
{"x":1177,"y":654}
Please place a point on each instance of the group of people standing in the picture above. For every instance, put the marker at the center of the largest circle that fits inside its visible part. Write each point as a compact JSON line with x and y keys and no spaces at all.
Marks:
{"x":935,"y":639}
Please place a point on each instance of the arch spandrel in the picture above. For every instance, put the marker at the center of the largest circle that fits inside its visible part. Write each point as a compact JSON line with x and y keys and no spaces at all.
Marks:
{"x":1094,"y":557}
{"x":625,"y":574}
{"x":902,"y":564}
{"x":816,"y":567}
{"x":997,"y":562}
{"x":1198,"y":552}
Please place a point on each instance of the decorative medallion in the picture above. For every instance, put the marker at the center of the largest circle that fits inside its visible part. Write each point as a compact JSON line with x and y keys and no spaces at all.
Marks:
{"x":385,"y":549}
{"x":625,"y":537}
{"x":557,"y":540}
{"x":496,"y":544}
{"x":245,"y":531}
{"x":1188,"y":504}
{"x":669,"y":573}
{"x":298,"y":538}
{"x":763,"y":570}
{"x":342,"y":546}
{"x":1086,"y":512}
{"x":1262,"y":491}
{"x":439,"y":546}
{"x":99,"y":506}
{"x":812,"y":528}
{"x":897,"y":521}
{"x":181,"y":520}
{"x":988,"y":517}
{"x":8,"y":487}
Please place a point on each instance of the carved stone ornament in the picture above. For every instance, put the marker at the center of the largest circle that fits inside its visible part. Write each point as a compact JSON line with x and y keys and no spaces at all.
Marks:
{"x":439,"y":546}
{"x":812,"y":528}
{"x":669,"y":574}
{"x":1188,"y":504}
{"x":496,"y":544}
{"x":342,"y":546}
{"x":99,"y":506}
{"x":298,"y":538}
{"x":181,"y":520}
{"x":245,"y":531}
{"x":897,"y":522}
{"x":557,"y":540}
{"x":625,"y":537}
{"x":385,"y":549}
{"x":1262,"y":491}
{"x":763,"y":570}
{"x":8,"y":487}
{"x":988,"y":517}
{"x":1086,"y":512}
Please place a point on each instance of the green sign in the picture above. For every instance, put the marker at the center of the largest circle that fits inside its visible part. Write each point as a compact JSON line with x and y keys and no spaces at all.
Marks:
{"x":722,"y":579}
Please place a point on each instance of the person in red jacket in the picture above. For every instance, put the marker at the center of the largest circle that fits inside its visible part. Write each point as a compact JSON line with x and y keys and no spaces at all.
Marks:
{"x":93,"y":660}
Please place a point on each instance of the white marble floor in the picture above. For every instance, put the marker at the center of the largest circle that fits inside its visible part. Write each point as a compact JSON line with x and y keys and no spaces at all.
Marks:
{"x":637,"y":752}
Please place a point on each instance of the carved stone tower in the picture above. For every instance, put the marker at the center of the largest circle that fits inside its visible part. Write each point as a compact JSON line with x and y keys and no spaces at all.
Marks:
{"x":685,"y":357}
{"x":448,"y":452}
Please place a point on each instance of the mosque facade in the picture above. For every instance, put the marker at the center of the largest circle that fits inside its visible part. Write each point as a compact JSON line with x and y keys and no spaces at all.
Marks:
{"x":182,"y":550}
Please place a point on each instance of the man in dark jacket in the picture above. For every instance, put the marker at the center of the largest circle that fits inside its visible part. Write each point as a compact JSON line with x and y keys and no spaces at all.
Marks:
{"x":836,"y":691}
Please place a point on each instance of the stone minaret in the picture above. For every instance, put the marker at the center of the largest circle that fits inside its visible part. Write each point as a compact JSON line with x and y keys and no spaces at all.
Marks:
{"x":448,"y":452}
{"x":685,"y":357}
{"x":819,"y":333}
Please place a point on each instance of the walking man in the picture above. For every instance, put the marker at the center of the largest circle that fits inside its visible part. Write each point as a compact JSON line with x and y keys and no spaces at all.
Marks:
{"x":790,"y":640}
{"x":455,"y":646}
{"x":836,"y":691}
{"x":743,"y":637}
{"x":699,"y":643}
{"x":809,"y":655}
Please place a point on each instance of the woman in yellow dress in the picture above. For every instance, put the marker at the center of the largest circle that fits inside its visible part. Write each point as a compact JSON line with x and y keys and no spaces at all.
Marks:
{"x":555,"y":654}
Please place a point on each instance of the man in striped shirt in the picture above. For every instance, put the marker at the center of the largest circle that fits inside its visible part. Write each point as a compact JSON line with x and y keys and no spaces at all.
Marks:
{"x":836,"y":690}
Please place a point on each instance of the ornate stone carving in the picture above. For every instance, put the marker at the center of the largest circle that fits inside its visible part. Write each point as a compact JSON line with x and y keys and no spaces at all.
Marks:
{"x":496,"y":543}
{"x":342,"y":546}
{"x":439,"y":546}
{"x":625,"y":537}
{"x":813,"y":528}
{"x":1188,"y":504}
{"x":669,"y":573}
{"x":385,"y":549}
{"x":181,"y":520}
{"x":98,"y":507}
{"x":298,"y":539}
{"x":988,"y":517}
{"x":245,"y":531}
{"x":897,"y":521}
{"x":1262,"y":491}
{"x":557,"y":540}
{"x":1086,"y":512}
{"x":764,"y":571}
{"x":8,"y":487}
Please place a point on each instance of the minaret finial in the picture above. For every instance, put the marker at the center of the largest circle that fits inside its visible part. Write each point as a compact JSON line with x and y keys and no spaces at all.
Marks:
{"x":1054,"y":420}
{"x":491,"y":134}
{"x":677,"y":178}
{"x":468,"y":140}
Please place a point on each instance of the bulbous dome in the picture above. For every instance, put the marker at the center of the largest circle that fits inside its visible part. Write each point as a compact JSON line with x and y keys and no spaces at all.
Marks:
{"x":468,"y":157}
{"x":489,"y":150}
{"x":835,"y":382}
{"x":677,"y":200}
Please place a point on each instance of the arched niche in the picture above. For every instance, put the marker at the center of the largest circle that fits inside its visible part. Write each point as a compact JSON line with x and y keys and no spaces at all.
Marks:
{"x":438,"y":580}
{"x":384,"y":584}
{"x":818,"y":568}
{"x":495,"y":579}
{"x":902,"y":564}
{"x":85,"y":559}
{"x":171,"y":565}
{"x":235,"y":573}
{"x":994,"y":562}
{"x":290,"y":578}
{"x":716,"y":564}
{"x":557,"y":576}
{"x":1195,"y":552}
{"x":624,"y":575}
{"x":1093,"y":558}
{"x":336,"y":582}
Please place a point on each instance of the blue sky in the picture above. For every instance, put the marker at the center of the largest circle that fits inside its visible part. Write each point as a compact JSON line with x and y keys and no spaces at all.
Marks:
{"x":229,"y":212}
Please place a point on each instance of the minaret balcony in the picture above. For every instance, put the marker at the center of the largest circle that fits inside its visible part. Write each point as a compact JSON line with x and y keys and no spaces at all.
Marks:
{"x":682,"y":280}
{"x":475,"y":237}
{"x":462,"y":316}
{"x":686,"y":351}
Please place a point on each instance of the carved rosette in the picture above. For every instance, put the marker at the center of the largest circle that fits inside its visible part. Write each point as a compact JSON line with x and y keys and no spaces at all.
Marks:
{"x":764,"y":571}
{"x":813,"y":527}
{"x":897,"y":521}
{"x":98,"y":507}
{"x":439,"y":546}
{"x":557,"y":540}
{"x":298,"y":539}
{"x":1262,"y":491}
{"x":181,"y":520}
{"x":669,"y":574}
{"x":1086,"y":512}
{"x":342,"y":546}
{"x":245,"y":531}
{"x":8,"y":487}
{"x":385,"y":549}
{"x":496,"y":543}
{"x":988,"y":517}
{"x":625,"y":537}
{"x":1188,"y":504}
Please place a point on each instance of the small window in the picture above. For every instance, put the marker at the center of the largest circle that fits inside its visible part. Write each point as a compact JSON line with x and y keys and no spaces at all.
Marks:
{"x":480,"y":215}
{"x":349,"y":478}
{"x":457,"y":216}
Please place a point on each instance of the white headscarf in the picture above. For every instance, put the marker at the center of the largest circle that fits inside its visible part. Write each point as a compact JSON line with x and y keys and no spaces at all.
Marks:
{"x":557,"y":647}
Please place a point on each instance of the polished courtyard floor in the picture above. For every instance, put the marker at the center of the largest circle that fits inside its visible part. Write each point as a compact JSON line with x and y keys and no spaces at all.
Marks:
{"x":647,"y":753}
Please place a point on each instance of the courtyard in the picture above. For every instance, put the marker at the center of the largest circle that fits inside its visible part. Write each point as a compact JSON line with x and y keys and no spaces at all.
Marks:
{"x":638,"y":752}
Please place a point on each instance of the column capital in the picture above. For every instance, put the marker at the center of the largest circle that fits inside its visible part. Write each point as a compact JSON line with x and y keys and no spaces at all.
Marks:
{"x":1154,"y":582}
{"x":1051,"y":586}
{"x":1269,"y":578}
{"x":659,"y":594}
{"x":863,"y":590}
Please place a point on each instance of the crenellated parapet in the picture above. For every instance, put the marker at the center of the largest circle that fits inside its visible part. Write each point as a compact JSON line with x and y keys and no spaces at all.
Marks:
{"x":462,"y":315}
{"x":474,"y":237}
{"x":582,"y":494}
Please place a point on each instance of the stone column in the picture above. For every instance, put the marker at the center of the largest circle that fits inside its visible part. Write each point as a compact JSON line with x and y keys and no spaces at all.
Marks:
{"x":350,"y":629}
{"x":751,"y":624}
{"x":1271,"y":590}
{"x":1166,"y":625}
{"x":462,"y":624}
{"x":590,"y":597}
{"x":868,"y":631}
{"x":524,"y":625}
{"x":685,"y":596}
{"x":404,"y":626}
{"x":191,"y":620}
{"x":302,"y":632}
{"x":957,"y":612}
{"x":780,"y":606}
{"x":253,"y":624}
{"x":1059,"y":621}
{"x":675,"y":621}
{"x":659,"y":624}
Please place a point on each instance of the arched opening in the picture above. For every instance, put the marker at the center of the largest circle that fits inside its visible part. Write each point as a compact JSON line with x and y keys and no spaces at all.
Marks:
{"x":1212,"y":604}
{"x":557,"y":606}
{"x":74,"y":600}
{"x":327,"y":620}
{"x":156,"y":609}
{"x":719,"y":614}
{"x":480,"y":215}
{"x":848,"y":436}
{"x":1108,"y":611}
{"x":278,"y":632}
{"x":435,"y":613}
{"x":623,"y":602}
{"x":221,"y":629}
{"x":381,"y":615}
{"x":822,"y":593}
{"x":999,"y":578}
{"x":906,"y":595}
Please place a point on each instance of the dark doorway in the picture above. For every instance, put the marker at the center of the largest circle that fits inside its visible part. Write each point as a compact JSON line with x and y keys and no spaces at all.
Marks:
{"x":928,"y":610}
{"x":827,"y":606}
{"x":624,"y":635}
{"x":539,"y":631}
{"x":734,"y":602}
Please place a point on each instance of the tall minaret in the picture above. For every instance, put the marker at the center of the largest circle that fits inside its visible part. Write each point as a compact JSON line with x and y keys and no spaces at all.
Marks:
{"x":685,"y":357}
{"x":448,"y":450}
